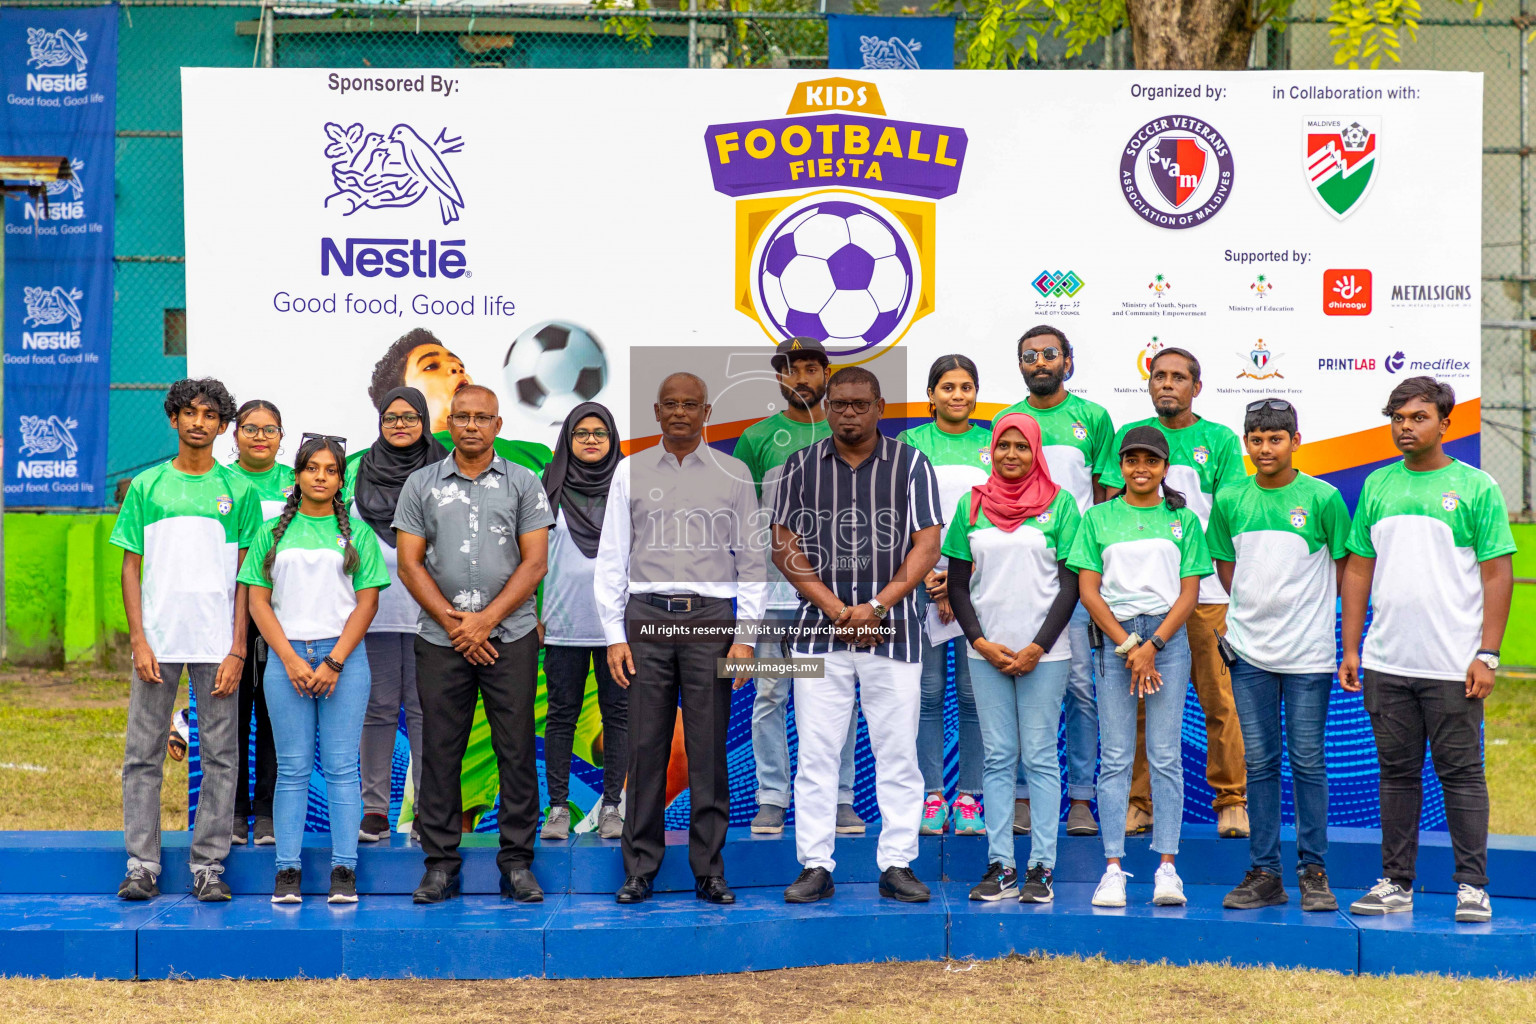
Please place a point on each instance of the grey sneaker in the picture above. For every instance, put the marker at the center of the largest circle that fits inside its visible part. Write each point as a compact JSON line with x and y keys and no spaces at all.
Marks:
{"x":208,"y":887}
{"x":1021,"y":817}
{"x":1472,"y":904}
{"x":769,"y":820}
{"x":1080,"y":821}
{"x":1385,"y":897}
{"x":609,"y":824}
{"x":557,"y":825}
{"x":848,"y":822}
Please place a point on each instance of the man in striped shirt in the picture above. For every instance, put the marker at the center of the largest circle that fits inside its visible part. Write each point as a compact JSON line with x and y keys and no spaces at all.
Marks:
{"x":856,"y":524}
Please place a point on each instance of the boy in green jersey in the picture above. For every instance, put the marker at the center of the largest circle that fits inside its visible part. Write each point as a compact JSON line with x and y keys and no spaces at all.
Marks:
{"x":1431,"y":549}
{"x":1278,"y":540}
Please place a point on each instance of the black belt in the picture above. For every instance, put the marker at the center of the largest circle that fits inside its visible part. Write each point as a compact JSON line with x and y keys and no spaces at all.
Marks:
{"x":676,"y":602}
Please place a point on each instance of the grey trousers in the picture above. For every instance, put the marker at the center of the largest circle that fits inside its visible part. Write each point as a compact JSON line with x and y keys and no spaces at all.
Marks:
{"x":392,"y":657}
{"x":150,"y":706}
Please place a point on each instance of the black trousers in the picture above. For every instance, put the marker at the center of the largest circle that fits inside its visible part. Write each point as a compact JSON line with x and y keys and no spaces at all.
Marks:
{"x":665,"y":671}
{"x":266,"y":752}
{"x":565,"y":682}
{"x":448,"y":686}
{"x":1404,"y":713}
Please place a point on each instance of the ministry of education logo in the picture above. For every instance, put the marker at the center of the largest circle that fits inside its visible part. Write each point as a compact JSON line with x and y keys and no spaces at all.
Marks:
{"x":1057,"y":284}
{"x":1339,"y":158}
{"x":1450,"y":501}
{"x":46,"y":435}
{"x":1299,"y":518}
{"x":48,"y":306}
{"x":56,"y":49}
{"x":376,"y":172}
{"x":1176,"y":171}
{"x":1262,"y":286}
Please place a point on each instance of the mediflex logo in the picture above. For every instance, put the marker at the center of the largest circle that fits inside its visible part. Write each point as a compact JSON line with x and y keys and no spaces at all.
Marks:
{"x":57,"y":50}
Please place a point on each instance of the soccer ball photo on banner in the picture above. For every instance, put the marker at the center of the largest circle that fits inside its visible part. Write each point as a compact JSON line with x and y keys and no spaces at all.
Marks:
{"x":550,"y":369}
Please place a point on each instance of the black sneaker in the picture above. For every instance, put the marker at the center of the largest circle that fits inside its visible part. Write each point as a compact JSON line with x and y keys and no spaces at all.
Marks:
{"x":343,"y":885}
{"x":1385,"y":897}
{"x":901,"y":884}
{"x":1315,"y":894}
{"x":265,"y":836}
{"x":238,"y":832}
{"x":372,"y":828}
{"x":286,"y":890}
{"x":1472,"y":904}
{"x":139,"y":885}
{"x":812,"y":885}
{"x":998,"y":883}
{"x":208,"y":887}
{"x":1258,"y":889}
{"x":1037,"y":886}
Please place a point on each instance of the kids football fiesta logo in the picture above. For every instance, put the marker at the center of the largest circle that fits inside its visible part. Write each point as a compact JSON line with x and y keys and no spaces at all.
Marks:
{"x":836,"y":263}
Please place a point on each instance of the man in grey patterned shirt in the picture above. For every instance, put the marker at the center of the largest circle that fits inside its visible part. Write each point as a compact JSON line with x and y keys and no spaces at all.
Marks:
{"x":473,"y":534}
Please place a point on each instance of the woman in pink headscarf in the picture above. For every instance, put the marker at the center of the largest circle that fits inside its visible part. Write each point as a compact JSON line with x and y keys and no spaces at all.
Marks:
{"x":1012,"y":593}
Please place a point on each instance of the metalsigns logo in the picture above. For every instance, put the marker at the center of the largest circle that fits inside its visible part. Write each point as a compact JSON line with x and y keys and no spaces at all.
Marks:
{"x":1347,"y":292}
{"x":50,"y":435}
{"x":1339,"y":157}
{"x":851,"y":269}
{"x":1057,"y":284}
{"x":51,"y":54}
{"x":1259,"y":364}
{"x":1176,"y":171}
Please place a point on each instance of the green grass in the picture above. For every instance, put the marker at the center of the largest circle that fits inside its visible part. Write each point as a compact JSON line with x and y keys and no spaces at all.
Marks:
{"x":1510,"y":738}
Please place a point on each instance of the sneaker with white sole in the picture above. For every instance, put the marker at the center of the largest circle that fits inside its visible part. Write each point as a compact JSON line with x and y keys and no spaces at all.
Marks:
{"x":343,"y":885}
{"x":1021,"y":822}
{"x":1385,"y":897}
{"x":610,"y":825}
{"x":286,"y":888}
{"x":557,"y":823}
{"x":1111,"y":890}
{"x":769,"y":820}
{"x":967,"y":816}
{"x":1037,"y":885}
{"x":848,"y":821}
{"x":1472,"y":904}
{"x":934,"y":813}
{"x":1167,"y":887}
{"x":999,"y":883}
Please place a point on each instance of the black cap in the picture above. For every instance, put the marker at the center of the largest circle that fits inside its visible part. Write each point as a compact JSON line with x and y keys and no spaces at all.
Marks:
{"x":791,"y":348}
{"x":1146,"y":439}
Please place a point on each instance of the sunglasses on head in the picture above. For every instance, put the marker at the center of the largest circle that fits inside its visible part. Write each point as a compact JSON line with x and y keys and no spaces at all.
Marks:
{"x":1276,"y":404}
{"x":340,"y":442}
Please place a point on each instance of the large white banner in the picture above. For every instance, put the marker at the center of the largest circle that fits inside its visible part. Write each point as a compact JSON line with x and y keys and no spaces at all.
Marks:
{"x":1313,"y":235}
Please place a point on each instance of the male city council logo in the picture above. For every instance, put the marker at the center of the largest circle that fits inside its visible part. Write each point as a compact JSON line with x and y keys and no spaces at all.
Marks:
{"x":1176,"y":171}
{"x":837,"y":252}
{"x":1299,"y":518}
{"x":46,"y":307}
{"x":57,"y":49}
{"x":46,"y":435}
{"x":1339,"y":158}
{"x":377,"y":172}
{"x":1057,"y":284}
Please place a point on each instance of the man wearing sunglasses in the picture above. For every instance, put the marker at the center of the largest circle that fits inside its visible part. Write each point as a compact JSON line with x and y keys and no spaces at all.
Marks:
{"x":1076,"y":436}
{"x":1278,"y":538}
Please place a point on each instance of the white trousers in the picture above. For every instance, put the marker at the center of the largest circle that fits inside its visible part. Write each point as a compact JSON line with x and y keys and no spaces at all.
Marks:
{"x":889,"y":692}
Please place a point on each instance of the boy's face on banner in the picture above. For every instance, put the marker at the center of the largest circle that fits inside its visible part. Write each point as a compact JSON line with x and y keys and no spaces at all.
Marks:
{"x":437,"y":373}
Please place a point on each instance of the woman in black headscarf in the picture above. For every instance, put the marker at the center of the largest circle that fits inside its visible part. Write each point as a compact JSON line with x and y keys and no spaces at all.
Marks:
{"x":577,"y":484}
{"x":374,"y":481}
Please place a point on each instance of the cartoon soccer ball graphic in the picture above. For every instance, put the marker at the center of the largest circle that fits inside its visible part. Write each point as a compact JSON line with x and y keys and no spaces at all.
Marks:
{"x":551,"y":368}
{"x":1355,"y":136}
{"x":837,"y":271}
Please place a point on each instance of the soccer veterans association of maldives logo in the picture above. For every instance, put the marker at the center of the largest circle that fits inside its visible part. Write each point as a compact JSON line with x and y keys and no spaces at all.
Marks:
{"x":1339,"y":158}
{"x":1176,"y":171}
{"x":828,"y":246}
{"x":1450,"y":501}
{"x":1299,"y":518}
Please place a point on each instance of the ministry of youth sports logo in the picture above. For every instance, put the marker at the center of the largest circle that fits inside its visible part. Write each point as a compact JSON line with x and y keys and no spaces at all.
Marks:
{"x":45,"y":435}
{"x":376,"y":172}
{"x":1176,"y":171}
{"x":56,"y":49}
{"x":46,"y":307}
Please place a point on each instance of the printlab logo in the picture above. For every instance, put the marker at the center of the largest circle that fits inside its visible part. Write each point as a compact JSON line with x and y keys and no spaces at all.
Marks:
{"x":1176,"y":171}
{"x":377,"y":172}
{"x":889,"y":54}
{"x":1259,"y":364}
{"x":46,"y":307}
{"x":1058,"y":284}
{"x":41,"y":436}
{"x":1339,"y":158}
{"x":1145,"y":356}
{"x":1347,"y":292}
{"x":1394,"y":362}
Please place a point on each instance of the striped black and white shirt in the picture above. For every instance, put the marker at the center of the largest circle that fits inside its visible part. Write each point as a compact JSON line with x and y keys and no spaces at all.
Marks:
{"x":855,"y":526}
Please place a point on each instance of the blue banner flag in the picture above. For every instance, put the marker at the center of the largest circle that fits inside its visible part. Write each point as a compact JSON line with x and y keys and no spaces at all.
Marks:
{"x":885,"y":44}
{"x":59,"y":75}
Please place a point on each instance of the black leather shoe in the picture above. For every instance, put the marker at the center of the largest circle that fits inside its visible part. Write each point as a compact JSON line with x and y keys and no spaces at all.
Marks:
{"x":436,"y":886}
{"x":519,"y":884}
{"x":812,"y":885}
{"x":634,"y":890}
{"x":901,"y":884}
{"x":714,"y":890}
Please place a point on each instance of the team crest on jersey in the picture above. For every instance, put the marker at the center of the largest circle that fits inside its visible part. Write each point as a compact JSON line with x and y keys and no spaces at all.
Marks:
{"x":1299,"y":518}
{"x":1079,"y":431}
{"x":1177,"y":528}
{"x":985,"y":455}
{"x":341,"y":542}
{"x":1202,"y":454}
{"x":1450,"y":500}
{"x":225,"y":504}
{"x":1043,"y":517}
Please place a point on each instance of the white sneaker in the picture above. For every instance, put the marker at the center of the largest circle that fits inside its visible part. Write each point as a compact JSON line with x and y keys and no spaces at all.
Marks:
{"x":1167,"y":887}
{"x":1111,"y":890}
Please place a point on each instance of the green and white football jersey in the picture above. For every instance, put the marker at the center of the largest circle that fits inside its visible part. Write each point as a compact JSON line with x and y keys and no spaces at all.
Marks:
{"x":271,"y":487}
{"x":189,"y":529}
{"x":1428,"y":532}
{"x":1075,"y":435}
{"x":765,"y":446}
{"x":1203,"y":458}
{"x":960,"y":461}
{"x":311,"y":595}
{"x":1014,"y":582}
{"x":1283,"y":542}
{"x":1142,"y":553}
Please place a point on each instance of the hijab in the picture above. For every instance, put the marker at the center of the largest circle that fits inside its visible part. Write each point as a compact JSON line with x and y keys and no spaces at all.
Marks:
{"x":567,"y":475}
{"x":384,"y":467}
{"x":1008,"y":503}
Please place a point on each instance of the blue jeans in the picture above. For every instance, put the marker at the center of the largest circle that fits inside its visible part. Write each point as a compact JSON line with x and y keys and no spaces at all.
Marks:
{"x":1117,"y":737}
{"x":1018,"y":731}
{"x":770,"y":744}
{"x":338,"y":721}
{"x":1258,"y":695}
{"x":1082,"y":715}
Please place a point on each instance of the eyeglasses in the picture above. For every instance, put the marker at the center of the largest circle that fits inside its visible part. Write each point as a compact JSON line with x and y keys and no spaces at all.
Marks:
{"x":857,"y":405}
{"x":590,"y":435}
{"x":340,"y":442}
{"x":270,"y":430}
{"x":405,"y":419}
{"x":479,"y":419}
{"x":672,"y":405}
{"x":1030,"y":356}
{"x":1277,"y":404}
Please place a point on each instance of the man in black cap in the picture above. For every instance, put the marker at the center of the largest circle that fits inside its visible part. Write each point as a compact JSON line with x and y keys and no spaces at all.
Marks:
{"x":801,"y":365}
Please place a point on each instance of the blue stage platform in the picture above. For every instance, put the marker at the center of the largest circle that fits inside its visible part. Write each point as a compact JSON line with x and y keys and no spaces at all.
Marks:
{"x":59,"y":917}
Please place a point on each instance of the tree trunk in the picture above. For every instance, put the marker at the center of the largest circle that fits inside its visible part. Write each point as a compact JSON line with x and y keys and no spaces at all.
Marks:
{"x":1190,"y":35}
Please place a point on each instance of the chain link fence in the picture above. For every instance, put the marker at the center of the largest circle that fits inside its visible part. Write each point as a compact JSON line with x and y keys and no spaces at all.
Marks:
{"x":158,"y":37}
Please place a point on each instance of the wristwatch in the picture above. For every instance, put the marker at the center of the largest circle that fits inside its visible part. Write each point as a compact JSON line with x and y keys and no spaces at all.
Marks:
{"x":1157,"y":642}
{"x":1489,"y":658}
{"x":880,"y":610}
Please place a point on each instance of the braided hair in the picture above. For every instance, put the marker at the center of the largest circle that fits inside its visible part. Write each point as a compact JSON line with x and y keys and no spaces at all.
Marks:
{"x":350,"y":557}
{"x":290,"y":509}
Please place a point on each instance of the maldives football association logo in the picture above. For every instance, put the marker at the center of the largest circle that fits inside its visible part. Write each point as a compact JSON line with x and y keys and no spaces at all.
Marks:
{"x":1339,"y":158}
{"x":1176,"y":171}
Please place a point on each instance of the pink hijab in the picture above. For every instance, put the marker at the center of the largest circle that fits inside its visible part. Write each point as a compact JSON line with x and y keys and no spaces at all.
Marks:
{"x":1009,"y":502}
